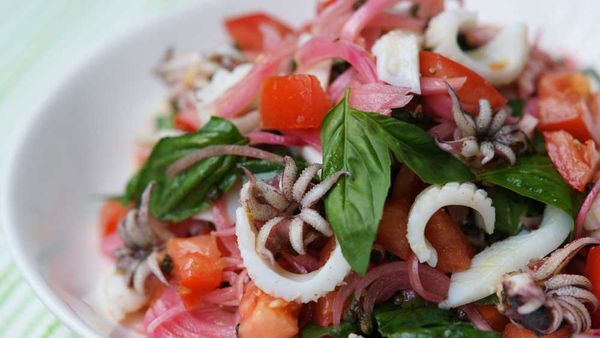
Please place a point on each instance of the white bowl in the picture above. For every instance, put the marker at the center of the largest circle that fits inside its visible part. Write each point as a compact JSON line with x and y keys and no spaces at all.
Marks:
{"x":78,"y":145}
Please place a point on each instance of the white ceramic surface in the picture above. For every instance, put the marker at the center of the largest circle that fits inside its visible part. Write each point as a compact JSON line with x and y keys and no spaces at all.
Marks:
{"x":78,"y":145}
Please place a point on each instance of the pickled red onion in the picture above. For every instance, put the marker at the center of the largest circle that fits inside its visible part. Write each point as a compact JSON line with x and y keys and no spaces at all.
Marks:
{"x":378,"y":97}
{"x":361,"y":18}
{"x":585,"y":208}
{"x":322,"y":48}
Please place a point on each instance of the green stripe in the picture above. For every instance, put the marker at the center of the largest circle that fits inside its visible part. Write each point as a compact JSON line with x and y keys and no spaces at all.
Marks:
{"x":51,"y":328}
{"x":9,"y":289}
{"x":34,"y":322}
{"x":9,"y":267}
{"x":17,"y":311}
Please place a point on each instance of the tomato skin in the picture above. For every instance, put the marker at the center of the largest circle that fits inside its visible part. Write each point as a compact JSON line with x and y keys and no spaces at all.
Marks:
{"x":324,"y":309}
{"x":196,"y":266}
{"x":111,"y":214}
{"x":491,"y":315}
{"x":246,"y":33}
{"x":565,"y":103}
{"x":293,"y":102}
{"x":576,"y":162}
{"x":474,"y":88}
{"x":592,"y":272}
{"x":265,"y":316}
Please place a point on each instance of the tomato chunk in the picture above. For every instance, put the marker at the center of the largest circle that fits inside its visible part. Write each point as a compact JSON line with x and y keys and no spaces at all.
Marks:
{"x":111,"y":214}
{"x":196,"y":266}
{"x":576,"y":162}
{"x":293,"y":102}
{"x":474,"y":88}
{"x":514,"y":331}
{"x":245,"y":30}
{"x":592,"y":271}
{"x":265,"y":316}
{"x":454,"y":250}
{"x":495,"y":319}
{"x":564,"y":104}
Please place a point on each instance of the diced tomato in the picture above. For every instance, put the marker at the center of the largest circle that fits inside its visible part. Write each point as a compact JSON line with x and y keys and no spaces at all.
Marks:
{"x":111,"y":214}
{"x":565,"y":103}
{"x":592,"y":271}
{"x":453,"y":248}
{"x":474,"y":88}
{"x":514,"y":331}
{"x":324,"y":310}
{"x":246,"y":32}
{"x":576,"y":162}
{"x":196,"y":266}
{"x":493,"y":317}
{"x":265,"y":316}
{"x":292,"y":102}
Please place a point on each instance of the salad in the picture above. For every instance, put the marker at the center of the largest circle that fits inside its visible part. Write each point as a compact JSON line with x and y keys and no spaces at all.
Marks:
{"x":388,"y":169}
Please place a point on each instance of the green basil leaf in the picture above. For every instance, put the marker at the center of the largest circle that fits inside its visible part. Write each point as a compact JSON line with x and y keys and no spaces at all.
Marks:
{"x":535,"y":177}
{"x":516,"y":105}
{"x":425,"y":322}
{"x":509,"y":208}
{"x":193,"y":190}
{"x":354,"y":206}
{"x":360,"y":143}
{"x":316,"y":331}
{"x":415,"y":148}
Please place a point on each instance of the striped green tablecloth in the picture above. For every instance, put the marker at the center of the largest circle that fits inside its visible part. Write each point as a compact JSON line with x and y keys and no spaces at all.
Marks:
{"x":39,"y":40}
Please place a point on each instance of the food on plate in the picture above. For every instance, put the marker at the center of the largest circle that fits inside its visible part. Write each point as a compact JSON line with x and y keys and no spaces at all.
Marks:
{"x":387,"y":169}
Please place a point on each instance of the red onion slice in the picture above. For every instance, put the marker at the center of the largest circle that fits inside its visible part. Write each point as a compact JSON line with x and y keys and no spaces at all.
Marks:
{"x":361,"y":18}
{"x":476,"y":318}
{"x":434,"y":277}
{"x":322,"y":48}
{"x":339,"y":85}
{"x":585,"y":208}
{"x":342,"y":296}
{"x":220,"y":150}
{"x":378,"y":97}
{"x":390,"y":21}
{"x":332,"y":19}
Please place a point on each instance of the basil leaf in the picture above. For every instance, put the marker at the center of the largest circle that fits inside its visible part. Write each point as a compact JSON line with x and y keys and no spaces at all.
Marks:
{"x":316,"y":331}
{"x":509,"y":208}
{"x":413,"y":146}
{"x":425,"y":322}
{"x":535,"y":177}
{"x":354,"y":206}
{"x":489,"y":300}
{"x":191,"y":191}
{"x":516,"y":106}
{"x":360,"y":143}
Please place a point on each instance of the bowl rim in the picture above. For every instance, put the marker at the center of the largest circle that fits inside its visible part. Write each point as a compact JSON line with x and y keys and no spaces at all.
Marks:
{"x":17,"y":142}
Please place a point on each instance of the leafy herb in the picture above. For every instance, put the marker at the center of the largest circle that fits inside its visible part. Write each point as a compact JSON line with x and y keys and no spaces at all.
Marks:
{"x":510,"y":207}
{"x":516,"y":106}
{"x":360,"y":143}
{"x":164,"y":122}
{"x":316,"y":331}
{"x":191,"y":191}
{"x":535,"y":177}
{"x":424,"y":322}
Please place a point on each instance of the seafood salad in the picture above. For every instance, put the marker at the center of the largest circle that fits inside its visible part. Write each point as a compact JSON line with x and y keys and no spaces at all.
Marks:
{"x":388,"y":169}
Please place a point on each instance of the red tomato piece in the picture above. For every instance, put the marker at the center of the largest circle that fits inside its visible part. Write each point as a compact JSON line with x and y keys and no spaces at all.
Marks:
{"x":474,"y":88}
{"x":196,"y":265}
{"x":246,"y":32}
{"x":576,"y":162}
{"x":495,"y":319}
{"x":111,"y":214}
{"x":265,"y":316}
{"x":592,"y":272}
{"x":564,"y":104}
{"x":324,"y":309}
{"x":514,"y":331}
{"x":293,"y":102}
